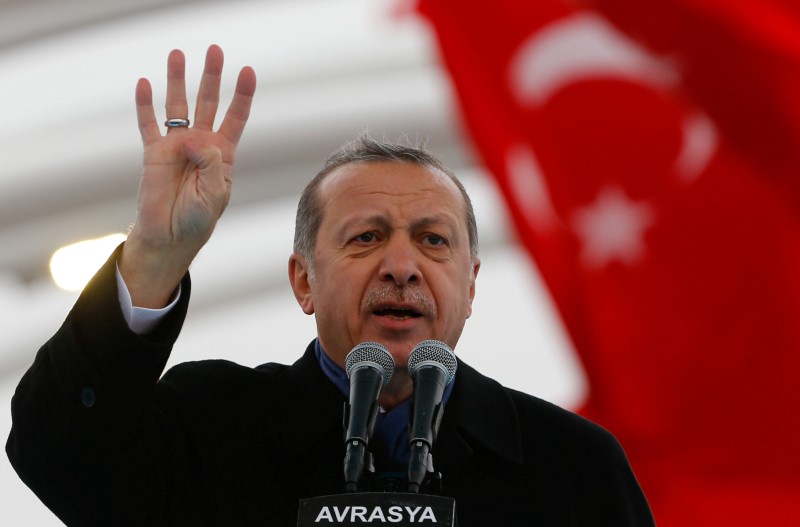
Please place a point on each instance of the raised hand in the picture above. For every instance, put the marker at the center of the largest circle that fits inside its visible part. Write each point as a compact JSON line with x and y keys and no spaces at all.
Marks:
{"x":186,"y":177}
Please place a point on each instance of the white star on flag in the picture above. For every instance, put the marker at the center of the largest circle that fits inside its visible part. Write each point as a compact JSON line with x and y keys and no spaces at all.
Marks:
{"x":612,"y":228}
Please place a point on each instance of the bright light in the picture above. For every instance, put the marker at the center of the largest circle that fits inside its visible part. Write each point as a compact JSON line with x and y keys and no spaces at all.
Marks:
{"x":74,"y":265}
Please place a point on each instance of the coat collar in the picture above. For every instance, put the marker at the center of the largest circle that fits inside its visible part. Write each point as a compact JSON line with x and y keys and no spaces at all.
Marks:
{"x":480,"y":414}
{"x":312,"y":396}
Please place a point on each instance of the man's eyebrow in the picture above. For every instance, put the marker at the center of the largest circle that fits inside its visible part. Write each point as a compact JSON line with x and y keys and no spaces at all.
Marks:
{"x":377,"y":220}
{"x":444,"y":222}
{"x":382,"y":222}
{"x":440,"y":219}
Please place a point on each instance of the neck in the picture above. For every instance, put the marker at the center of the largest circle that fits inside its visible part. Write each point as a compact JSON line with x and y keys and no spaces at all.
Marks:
{"x":399,"y":390}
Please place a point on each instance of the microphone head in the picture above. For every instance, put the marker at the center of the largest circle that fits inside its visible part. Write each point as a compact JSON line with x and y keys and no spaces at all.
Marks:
{"x":371,"y":355}
{"x":433,"y":353}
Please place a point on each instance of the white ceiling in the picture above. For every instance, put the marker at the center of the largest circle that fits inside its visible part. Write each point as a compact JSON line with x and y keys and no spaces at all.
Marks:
{"x":326,"y":70}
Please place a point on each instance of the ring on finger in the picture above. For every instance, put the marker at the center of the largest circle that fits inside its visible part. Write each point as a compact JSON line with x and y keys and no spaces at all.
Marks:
{"x":176,"y":123}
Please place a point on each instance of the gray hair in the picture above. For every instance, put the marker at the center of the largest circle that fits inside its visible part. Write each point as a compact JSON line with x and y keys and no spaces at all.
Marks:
{"x":366,"y":149}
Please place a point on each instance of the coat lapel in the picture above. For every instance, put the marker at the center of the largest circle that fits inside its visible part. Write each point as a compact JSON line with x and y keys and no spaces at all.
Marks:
{"x":479,"y":415}
{"x":311,"y":395}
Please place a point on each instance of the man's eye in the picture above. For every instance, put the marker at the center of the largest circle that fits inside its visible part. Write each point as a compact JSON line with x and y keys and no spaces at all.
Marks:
{"x":435,"y":240}
{"x":366,"y":237}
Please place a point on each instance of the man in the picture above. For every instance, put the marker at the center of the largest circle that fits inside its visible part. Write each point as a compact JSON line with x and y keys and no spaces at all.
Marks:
{"x":386,"y":251}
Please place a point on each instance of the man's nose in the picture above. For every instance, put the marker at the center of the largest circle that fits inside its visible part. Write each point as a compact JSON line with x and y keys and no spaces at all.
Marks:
{"x":400,"y":264}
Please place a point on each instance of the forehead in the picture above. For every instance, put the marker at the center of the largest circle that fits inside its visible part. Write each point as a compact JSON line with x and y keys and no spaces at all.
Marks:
{"x":400,"y":183}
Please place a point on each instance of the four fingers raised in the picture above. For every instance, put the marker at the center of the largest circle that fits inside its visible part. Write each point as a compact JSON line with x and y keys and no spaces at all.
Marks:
{"x":207,"y":98}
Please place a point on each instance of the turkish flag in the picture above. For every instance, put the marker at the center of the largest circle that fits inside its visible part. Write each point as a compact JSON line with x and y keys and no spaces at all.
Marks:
{"x":649,"y":155}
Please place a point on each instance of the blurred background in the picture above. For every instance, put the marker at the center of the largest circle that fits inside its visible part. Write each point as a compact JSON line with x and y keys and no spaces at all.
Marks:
{"x":633,"y":165}
{"x":326,"y":71}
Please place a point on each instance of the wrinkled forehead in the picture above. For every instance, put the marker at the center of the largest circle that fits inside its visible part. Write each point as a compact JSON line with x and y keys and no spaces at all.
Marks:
{"x":390,"y":179}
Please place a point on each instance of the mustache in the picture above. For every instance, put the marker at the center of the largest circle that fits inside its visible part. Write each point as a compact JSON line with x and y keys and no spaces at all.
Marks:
{"x":392,"y":293}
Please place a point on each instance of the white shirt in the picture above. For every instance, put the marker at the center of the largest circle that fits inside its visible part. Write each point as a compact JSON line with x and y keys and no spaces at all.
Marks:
{"x":141,"y":319}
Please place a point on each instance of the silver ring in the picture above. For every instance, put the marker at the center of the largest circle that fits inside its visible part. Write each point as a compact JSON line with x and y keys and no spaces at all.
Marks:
{"x":176,"y":123}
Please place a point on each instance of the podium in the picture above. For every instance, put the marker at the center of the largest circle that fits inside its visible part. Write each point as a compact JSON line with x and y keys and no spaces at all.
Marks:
{"x":377,"y":508}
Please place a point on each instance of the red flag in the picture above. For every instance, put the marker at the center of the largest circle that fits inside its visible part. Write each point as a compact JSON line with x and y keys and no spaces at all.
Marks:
{"x":662,"y":207}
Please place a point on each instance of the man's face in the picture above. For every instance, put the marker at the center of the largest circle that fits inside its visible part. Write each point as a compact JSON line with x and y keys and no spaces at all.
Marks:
{"x":392,"y":260}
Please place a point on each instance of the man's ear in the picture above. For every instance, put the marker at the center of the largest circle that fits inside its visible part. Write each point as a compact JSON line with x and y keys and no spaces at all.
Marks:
{"x":300,"y":279}
{"x":476,"y":266}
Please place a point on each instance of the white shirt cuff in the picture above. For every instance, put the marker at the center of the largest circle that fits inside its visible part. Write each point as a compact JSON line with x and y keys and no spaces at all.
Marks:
{"x":141,"y":320}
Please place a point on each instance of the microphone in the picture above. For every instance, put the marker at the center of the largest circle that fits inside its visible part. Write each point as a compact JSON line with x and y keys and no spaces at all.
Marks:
{"x":369,"y":367}
{"x":432,"y":366}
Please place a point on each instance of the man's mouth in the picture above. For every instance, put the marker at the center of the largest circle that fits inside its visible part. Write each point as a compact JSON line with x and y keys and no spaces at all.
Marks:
{"x":399,"y":313}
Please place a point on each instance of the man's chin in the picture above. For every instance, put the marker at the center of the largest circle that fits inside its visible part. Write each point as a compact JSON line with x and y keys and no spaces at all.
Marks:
{"x":401,"y":350}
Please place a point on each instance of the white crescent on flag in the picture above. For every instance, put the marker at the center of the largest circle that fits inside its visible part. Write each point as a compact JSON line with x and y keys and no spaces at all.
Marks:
{"x":585,"y":47}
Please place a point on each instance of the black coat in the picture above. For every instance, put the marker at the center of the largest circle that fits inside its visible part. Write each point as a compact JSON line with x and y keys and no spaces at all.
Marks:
{"x":102,"y":441}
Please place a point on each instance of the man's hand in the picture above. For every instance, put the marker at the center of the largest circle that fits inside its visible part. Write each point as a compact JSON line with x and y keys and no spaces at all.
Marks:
{"x":186,"y":178}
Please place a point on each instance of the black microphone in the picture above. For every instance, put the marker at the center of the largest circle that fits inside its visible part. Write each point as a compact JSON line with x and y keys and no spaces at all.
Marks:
{"x":432,"y":366}
{"x":369,"y":367}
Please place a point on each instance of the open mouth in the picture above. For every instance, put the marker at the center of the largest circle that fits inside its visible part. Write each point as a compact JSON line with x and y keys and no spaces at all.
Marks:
{"x":399,"y":313}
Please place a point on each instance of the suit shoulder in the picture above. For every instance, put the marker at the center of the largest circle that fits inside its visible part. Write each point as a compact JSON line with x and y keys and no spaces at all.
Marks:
{"x":552,"y":423}
{"x":217,"y":377}
{"x":222,"y":368}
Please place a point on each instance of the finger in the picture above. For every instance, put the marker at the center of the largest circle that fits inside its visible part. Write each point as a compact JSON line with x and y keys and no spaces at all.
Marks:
{"x":145,"y":114}
{"x":176,"y":105}
{"x":239,"y":110}
{"x":208,"y":95}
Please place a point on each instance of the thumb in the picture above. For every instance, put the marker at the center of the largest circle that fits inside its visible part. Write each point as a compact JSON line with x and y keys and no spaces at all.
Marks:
{"x":208,"y":158}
